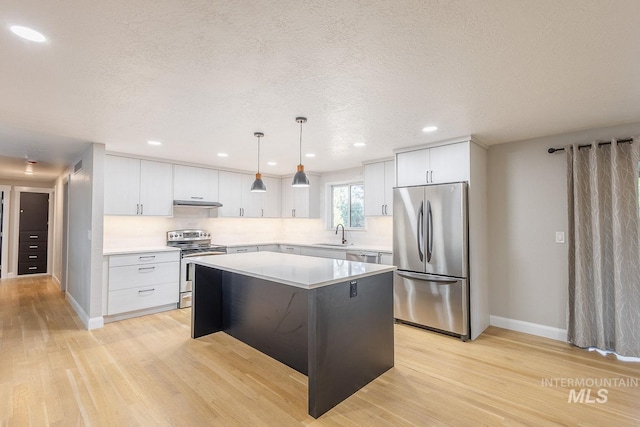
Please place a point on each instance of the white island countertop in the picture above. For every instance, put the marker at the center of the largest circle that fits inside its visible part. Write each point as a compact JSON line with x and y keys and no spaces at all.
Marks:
{"x":302,"y":271}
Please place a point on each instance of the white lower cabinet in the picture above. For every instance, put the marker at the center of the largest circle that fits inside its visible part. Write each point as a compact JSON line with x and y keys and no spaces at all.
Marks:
{"x":242,"y":249}
{"x":290,"y":249}
{"x":144,"y":280}
{"x":323,"y":253}
{"x":386,"y":258}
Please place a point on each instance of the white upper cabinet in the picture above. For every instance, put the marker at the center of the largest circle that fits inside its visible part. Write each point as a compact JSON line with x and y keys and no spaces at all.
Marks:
{"x":121,"y":186}
{"x":238,"y":200}
{"x":300,"y":202}
{"x":230,"y":191}
{"x":137,"y":187}
{"x":156,"y":188}
{"x":379,"y":180}
{"x":250,"y":202}
{"x":270,"y":201}
{"x":450,"y":163}
{"x":436,"y":165}
{"x":195,"y":184}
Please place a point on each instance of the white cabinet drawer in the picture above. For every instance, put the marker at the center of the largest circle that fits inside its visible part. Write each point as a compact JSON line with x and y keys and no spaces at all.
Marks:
{"x":242,"y":249}
{"x":288,"y":249}
{"x":143,"y":297}
{"x":143,"y":258}
{"x":132,"y":276}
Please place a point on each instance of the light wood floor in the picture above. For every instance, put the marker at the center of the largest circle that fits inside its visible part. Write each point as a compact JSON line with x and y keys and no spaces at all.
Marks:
{"x":147,"y":371}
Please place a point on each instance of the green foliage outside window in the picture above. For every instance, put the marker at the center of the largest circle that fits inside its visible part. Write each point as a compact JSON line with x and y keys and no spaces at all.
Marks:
{"x":347,"y":202}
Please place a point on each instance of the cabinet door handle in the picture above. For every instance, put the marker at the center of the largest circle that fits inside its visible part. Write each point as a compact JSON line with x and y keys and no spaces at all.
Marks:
{"x":197,"y":198}
{"x":241,"y":250}
{"x":33,"y":237}
{"x":137,"y":208}
{"x":432,"y":177}
{"x":33,"y":256}
{"x":141,"y":258}
{"x":33,"y":246}
{"x":146,"y":268}
{"x":141,"y":209}
{"x":33,"y":268}
{"x":262,"y":212}
{"x":146,"y":290}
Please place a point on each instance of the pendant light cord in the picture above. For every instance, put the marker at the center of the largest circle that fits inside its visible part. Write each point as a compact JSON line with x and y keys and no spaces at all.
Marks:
{"x":258,"y":154}
{"x":300,"y":142}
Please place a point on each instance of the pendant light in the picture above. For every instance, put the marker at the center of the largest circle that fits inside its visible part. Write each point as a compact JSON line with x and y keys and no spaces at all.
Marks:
{"x":300,"y":178}
{"x":258,"y":185}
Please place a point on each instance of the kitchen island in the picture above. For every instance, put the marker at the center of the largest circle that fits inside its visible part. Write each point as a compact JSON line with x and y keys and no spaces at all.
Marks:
{"x":329,"y":319}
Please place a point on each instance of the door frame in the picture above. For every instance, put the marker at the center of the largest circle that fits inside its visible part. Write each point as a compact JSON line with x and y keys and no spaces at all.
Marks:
{"x":6,"y":214}
{"x":15,"y":231}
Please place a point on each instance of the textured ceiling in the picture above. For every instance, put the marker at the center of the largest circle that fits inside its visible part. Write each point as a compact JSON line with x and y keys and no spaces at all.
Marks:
{"x":201,"y":76}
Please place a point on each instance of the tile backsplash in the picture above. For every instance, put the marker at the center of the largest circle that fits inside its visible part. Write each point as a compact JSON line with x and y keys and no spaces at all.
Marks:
{"x":135,"y":231}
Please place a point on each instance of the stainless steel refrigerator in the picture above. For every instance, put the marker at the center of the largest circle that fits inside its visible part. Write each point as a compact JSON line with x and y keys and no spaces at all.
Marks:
{"x":430,"y":250}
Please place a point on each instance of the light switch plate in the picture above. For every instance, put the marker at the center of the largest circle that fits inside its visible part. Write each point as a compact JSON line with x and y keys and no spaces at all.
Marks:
{"x":559,"y":236}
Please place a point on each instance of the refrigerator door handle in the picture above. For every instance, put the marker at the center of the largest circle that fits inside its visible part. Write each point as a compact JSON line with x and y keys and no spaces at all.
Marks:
{"x":426,"y":278}
{"x":429,"y":232}
{"x":420,"y":228}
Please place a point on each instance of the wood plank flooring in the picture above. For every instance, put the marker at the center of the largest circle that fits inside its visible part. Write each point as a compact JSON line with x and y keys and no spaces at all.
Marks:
{"x":148,"y":372}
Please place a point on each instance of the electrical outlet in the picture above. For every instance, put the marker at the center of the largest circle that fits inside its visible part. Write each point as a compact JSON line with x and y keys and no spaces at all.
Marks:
{"x":559,"y":236}
{"x":353,"y":289}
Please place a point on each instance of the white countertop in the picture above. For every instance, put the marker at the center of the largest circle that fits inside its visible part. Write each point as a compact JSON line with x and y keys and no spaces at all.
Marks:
{"x":137,"y":250}
{"x":295,"y":270}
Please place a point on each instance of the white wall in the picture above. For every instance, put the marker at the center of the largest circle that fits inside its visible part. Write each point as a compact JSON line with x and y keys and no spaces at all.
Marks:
{"x":86,"y":208}
{"x":56,"y":265}
{"x":527,"y":205}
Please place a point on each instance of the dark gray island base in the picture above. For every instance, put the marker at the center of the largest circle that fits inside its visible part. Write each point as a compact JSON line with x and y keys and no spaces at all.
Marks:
{"x":340,"y":335}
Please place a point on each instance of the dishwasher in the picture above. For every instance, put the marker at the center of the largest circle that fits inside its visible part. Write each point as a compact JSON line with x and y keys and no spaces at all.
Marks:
{"x":364,"y":256}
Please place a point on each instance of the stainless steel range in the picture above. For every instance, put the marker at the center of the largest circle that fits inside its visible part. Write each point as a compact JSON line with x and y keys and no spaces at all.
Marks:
{"x":191,"y":243}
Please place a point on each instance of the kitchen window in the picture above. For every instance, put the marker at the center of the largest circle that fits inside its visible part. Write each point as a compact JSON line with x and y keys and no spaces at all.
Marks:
{"x":347,"y":205}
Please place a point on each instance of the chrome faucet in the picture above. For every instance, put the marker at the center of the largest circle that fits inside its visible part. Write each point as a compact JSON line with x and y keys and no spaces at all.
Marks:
{"x":343,"y":239}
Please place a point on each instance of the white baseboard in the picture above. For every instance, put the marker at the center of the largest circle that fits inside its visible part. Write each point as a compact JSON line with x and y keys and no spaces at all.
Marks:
{"x":529,"y":328}
{"x":88,"y":322}
{"x":55,"y":279}
{"x":11,"y":275}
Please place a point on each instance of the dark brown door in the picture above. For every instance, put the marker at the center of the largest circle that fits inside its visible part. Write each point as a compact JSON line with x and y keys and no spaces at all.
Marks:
{"x":34,"y":229}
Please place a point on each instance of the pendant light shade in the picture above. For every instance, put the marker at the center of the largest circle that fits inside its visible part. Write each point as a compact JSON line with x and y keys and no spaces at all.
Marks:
{"x":258,"y":185}
{"x":300,"y":178}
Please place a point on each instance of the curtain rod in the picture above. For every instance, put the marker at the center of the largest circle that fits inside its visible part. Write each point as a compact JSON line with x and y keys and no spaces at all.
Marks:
{"x":600,"y":144}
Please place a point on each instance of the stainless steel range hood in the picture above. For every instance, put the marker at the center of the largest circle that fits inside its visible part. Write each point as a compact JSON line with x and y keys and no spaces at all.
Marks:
{"x":196,"y":204}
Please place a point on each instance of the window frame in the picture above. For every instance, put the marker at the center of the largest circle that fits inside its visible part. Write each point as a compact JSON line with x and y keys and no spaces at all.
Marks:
{"x":329,"y":203}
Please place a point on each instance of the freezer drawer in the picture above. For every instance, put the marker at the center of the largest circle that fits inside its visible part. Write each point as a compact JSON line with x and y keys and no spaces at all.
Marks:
{"x":433,"y":301}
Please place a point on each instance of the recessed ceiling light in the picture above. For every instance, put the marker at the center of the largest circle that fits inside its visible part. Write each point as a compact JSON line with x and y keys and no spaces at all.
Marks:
{"x":27,"y":33}
{"x":359,"y":144}
{"x":310,"y":155}
{"x":272,"y":163}
{"x":223,"y":155}
{"x":429,"y":128}
{"x":154,"y":142}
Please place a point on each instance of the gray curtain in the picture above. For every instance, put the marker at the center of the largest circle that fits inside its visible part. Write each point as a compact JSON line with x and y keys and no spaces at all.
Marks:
{"x":604,"y":251}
